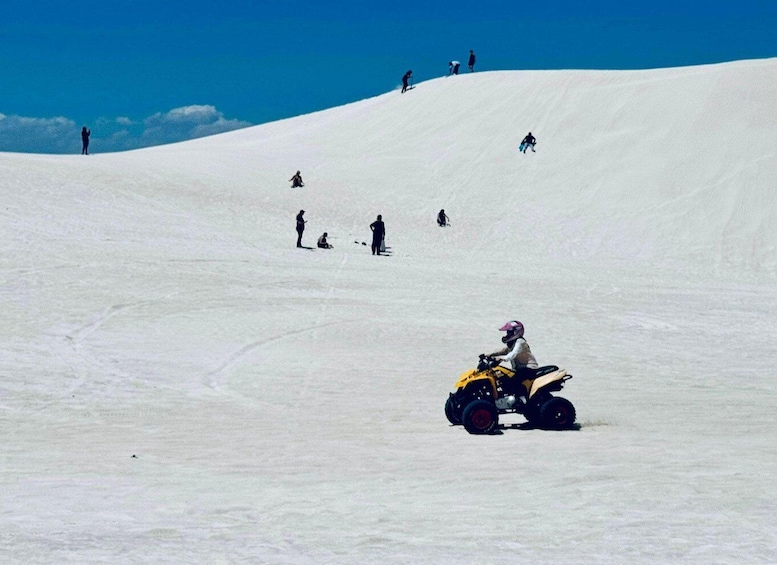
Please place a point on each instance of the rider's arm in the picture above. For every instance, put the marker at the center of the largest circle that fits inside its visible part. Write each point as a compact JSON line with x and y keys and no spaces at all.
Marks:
{"x":518,"y":346}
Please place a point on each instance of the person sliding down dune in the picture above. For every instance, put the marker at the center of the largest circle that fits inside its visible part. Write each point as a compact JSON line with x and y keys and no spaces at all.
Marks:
{"x":296,"y":180}
{"x":528,"y":141}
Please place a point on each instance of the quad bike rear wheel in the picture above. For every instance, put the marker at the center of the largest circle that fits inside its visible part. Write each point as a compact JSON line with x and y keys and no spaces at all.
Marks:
{"x":453,"y":415}
{"x":480,"y":417}
{"x":557,"y":413}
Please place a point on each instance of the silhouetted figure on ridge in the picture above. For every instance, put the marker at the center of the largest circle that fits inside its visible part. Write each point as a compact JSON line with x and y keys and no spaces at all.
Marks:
{"x":405,"y":78}
{"x":85,"y":133}
{"x":453,"y":68}
{"x":471,"y":62}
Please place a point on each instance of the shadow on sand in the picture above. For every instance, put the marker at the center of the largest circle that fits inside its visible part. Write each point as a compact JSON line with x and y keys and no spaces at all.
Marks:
{"x":386,"y":253}
{"x":500,"y":429}
{"x":528,"y":426}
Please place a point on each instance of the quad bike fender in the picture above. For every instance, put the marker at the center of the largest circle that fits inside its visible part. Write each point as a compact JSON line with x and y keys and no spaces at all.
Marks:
{"x":465,"y":378}
{"x":476,"y":379}
{"x":546,"y":380}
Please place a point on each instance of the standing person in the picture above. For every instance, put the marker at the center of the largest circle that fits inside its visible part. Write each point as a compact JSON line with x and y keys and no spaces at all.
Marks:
{"x":453,"y":68}
{"x":442,"y":219}
{"x":528,"y":141}
{"x":300,"y":227}
{"x":405,"y":78}
{"x":378,"y":233}
{"x":471,"y":62}
{"x":85,"y":133}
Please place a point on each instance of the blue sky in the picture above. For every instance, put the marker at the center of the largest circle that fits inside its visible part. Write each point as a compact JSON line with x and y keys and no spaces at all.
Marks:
{"x":140,"y":72}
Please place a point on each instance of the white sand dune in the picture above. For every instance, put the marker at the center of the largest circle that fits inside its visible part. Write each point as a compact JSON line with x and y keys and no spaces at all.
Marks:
{"x":180,"y":384}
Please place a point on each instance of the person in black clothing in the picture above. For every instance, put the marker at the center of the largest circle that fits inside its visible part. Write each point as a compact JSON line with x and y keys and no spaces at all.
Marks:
{"x":471,"y":62}
{"x":442,"y":219}
{"x":528,"y":141}
{"x":300,"y":227}
{"x":378,"y":233}
{"x":296,"y":180}
{"x":85,"y":133}
{"x":405,"y":78}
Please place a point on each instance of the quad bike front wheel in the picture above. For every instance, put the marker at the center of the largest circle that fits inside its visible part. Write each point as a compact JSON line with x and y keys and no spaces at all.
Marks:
{"x":480,"y":417}
{"x":453,"y":415}
{"x":557,"y":413}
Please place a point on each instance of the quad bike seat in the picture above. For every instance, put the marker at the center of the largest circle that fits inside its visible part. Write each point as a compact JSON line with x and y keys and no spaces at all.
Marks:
{"x":545,"y":370}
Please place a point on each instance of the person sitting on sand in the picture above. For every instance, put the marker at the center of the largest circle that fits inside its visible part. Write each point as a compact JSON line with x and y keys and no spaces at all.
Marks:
{"x":323,"y":243}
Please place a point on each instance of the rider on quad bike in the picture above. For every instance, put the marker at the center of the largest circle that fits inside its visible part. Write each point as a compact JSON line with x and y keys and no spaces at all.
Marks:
{"x":483,"y":393}
{"x":516,"y":350}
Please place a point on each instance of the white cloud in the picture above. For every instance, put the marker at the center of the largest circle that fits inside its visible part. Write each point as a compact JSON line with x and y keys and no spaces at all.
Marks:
{"x":187,"y":122}
{"x":187,"y":114}
{"x":62,"y":135}
{"x":39,"y":135}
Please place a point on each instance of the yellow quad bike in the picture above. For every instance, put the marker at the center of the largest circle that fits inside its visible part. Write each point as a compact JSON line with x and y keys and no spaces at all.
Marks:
{"x":482,"y":394}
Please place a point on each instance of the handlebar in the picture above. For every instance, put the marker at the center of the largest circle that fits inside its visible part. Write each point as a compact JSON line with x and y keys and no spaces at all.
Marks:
{"x":486,"y":362}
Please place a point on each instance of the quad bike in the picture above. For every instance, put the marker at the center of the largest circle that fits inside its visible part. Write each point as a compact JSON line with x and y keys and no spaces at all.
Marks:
{"x":482,"y":394}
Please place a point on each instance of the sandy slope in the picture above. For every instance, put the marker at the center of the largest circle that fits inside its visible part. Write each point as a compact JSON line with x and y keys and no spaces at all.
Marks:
{"x":285,"y":406}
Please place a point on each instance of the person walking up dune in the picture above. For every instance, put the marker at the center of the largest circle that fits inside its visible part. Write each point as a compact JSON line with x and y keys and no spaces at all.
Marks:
{"x":405,"y":78}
